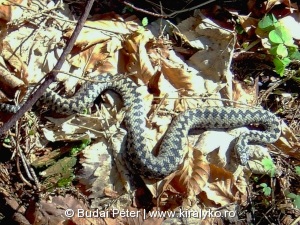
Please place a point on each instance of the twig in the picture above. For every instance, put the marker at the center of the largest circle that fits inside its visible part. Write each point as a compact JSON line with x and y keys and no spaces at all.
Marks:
{"x":19,"y":155}
{"x":114,"y":78}
{"x":51,"y":76}
{"x":213,"y":99}
{"x":268,"y":92}
{"x":31,"y":170}
{"x":167,"y":15}
{"x":158,"y":107}
{"x":35,"y":14}
{"x":20,"y":173}
{"x":143,"y":10}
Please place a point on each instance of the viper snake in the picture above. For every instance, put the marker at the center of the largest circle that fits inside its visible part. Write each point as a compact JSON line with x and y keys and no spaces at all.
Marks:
{"x":171,"y":149}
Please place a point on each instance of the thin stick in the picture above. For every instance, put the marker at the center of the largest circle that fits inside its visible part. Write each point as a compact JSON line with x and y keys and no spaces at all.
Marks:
{"x":167,"y":15}
{"x":143,"y":10}
{"x":51,"y":76}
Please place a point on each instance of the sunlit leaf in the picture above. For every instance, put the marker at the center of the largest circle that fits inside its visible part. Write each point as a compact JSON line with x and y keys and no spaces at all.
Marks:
{"x":267,"y":23}
{"x":282,"y":51}
{"x":280,"y":65}
{"x":145,"y":21}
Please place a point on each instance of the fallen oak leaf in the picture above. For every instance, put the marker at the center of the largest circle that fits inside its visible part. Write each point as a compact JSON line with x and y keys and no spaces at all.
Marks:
{"x":221,"y":186}
{"x":194,"y":174}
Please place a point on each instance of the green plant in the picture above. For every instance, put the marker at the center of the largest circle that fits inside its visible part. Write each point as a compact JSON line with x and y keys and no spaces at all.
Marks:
{"x":295,"y":198}
{"x":280,"y":42}
{"x":7,"y":140}
{"x":84,"y":143}
{"x":127,"y":9}
{"x":269,"y":166}
{"x":297,"y":170}
{"x":266,"y":189}
{"x":255,"y":179}
{"x":145,"y":21}
{"x":65,"y":182}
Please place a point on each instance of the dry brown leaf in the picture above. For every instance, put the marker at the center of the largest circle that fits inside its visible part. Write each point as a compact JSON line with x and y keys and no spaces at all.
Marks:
{"x":86,"y":126}
{"x":167,"y":93}
{"x":88,"y":37}
{"x":288,"y":142}
{"x":221,"y":186}
{"x":11,"y":10}
{"x":215,"y":47}
{"x":170,"y":199}
{"x":95,"y":58}
{"x":248,"y":23}
{"x":10,"y":84}
{"x":137,"y":57}
{"x":180,"y":77}
{"x":114,"y":23}
{"x":111,"y":193}
{"x":190,"y":215}
{"x":98,"y":173}
{"x":271,"y":3}
{"x":33,"y":51}
{"x":53,"y":211}
{"x":163,"y":191}
{"x":111,"y":221}
{"x":140,"y":219}
{"x":243,"y":94}
{"x":216,"y":152}
{"x":98,"y":31}
{"x":242,"y":176}
{"x":193,"y":176}
{"x":214,"y":220}
{"x":9,"y":54}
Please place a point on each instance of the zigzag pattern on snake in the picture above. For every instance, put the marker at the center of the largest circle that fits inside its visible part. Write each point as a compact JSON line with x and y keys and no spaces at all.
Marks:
{"x":171,"y":150}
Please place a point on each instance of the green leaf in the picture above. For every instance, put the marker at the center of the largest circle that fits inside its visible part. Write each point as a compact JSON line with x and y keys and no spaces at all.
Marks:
{"x":291,"y":195}
{"x":281,"y":35}
{"x":239,"y":29}
{"x":255,"y":179}
{"x":295,"y":55}
{"x":269,"y":166}
{"x":263,"y":185}
{"x":297,"y":169}
{"x":127,"y":9}
{"x":286,"y":36}
{"x":281,"y":64}
{"x":295,"y":198}
{"x":65,"y":182}
{"x":296,"y":202}
{"x":268,"y":22}
{"x":84,"y":143}
{"x":275,"y":37}
{"x":266,"y":189}
{"x":282,"y":51}
{"x":145,"y":21}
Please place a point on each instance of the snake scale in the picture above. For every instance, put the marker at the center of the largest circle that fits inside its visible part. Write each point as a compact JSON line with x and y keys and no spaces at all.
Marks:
{"x":171,"y":149}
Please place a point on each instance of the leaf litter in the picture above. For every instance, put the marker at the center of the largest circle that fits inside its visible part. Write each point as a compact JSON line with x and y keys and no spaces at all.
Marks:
{"x":111,"y":43}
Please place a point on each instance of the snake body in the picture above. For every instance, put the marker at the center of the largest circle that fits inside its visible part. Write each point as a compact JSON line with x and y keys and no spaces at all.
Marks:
{"x":171,"y":149}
